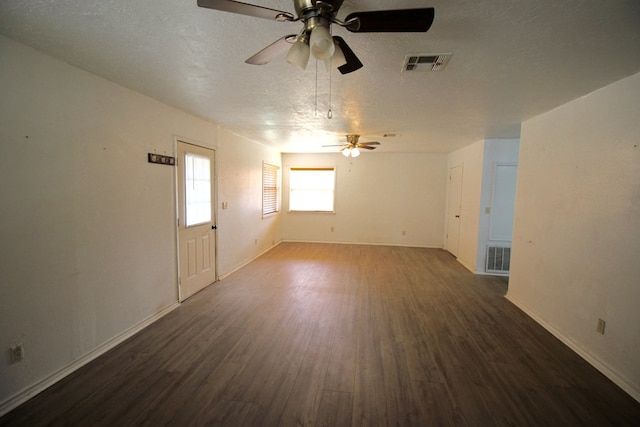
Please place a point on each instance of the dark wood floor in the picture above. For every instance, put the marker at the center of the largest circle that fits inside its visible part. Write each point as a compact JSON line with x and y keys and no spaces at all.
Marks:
{"x":338,"y":335}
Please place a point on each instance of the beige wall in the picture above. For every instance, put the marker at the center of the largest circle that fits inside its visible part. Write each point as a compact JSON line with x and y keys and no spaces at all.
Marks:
{"x":88,"y":234}
{"x":576,"y":247}
{"x":88,"y":231}
{"x":378,"y":196}
{"x":242,"y":232}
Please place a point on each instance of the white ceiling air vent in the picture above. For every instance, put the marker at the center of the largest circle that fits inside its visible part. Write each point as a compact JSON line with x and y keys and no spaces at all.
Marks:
{"x":426,"y":61}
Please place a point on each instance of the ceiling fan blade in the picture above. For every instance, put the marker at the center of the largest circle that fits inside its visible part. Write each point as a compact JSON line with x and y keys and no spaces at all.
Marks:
{"x":335,"y":145}
{"x":366,"y":147}
{"x":353,"y":63}
{"x":392,"y":21}
{"x":272,"y":51}
{"x":369,"y":143}
{"x":246,"y":9}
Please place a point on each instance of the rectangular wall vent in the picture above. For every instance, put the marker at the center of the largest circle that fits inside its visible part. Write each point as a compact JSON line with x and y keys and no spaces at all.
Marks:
{"x":426,"y":61}
{"x":498,"y":259}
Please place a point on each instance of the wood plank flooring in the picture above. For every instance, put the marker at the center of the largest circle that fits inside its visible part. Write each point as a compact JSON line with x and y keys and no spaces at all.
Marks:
{"x":339,"y":335}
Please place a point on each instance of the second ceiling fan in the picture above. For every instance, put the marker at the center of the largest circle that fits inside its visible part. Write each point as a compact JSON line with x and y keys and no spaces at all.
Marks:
{"x":353,"y":145}
{"x":315,"y":39}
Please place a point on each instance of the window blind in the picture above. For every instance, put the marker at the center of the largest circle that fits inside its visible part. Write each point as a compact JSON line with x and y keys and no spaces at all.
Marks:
{"x":270,"y":189}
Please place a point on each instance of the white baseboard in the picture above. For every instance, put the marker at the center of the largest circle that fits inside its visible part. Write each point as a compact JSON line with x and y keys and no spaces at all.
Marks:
{"x":31,"y":391}
{"x":227,"y":274}
{"x":484,"y":273}
{"x":582,"y":352}
{"x":402,"y":245}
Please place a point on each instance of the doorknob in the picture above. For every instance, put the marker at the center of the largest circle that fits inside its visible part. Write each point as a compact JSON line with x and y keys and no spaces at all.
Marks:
{"x":214,"y":227}
{"x":457,"y":216}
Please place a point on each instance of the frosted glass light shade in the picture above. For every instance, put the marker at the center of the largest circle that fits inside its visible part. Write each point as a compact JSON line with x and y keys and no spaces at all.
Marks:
{"x":321,"y":43}
{"x":353,"y":152}
{"x":298,"y":55}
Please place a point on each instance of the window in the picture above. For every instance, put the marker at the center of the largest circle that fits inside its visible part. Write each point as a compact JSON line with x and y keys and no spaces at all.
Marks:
{"x":197,"y":189}
{"x":312,"y":189}
{"x":270,"y":189}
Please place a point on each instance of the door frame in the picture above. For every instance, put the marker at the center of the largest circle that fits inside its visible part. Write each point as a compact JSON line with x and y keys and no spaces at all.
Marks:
{"x":450,"y":205}
{"x":176,"y":140}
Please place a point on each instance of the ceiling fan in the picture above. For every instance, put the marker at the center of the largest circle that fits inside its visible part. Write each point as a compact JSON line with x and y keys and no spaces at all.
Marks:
{"x":315,"y":37}
{"x":352,"y":147}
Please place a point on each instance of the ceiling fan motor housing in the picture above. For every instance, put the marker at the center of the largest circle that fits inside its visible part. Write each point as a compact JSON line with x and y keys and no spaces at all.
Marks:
{"x":304,"y":6}
{"x":313,"y":14}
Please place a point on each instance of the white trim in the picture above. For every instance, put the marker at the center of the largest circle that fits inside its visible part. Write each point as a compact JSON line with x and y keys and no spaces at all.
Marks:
{"x":471,"y":268}
{"x":191,"y":141}
{"x":278,"y":206}
{"x":448,"y":211}
{"x":320,"y":166}
{"x":225,"y":275}
{"x":401,"y":245}
{"x":31,"y":391}
{"x":496,"y":274}
{"x":582,"y":352}
{"x":213,"y":147}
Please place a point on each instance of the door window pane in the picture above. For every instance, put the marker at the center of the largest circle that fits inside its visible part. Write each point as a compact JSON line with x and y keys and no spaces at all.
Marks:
{"x":198,"y":189}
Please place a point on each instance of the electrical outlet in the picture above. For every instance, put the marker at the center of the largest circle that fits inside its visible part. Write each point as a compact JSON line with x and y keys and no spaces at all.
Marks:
{"x":332,"y":229}
{"x":17,"y":353}
{"x":601,"y":325}
{"x":404,"y":232}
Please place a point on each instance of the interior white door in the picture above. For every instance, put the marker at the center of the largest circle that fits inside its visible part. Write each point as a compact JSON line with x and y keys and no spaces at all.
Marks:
{"x":453,"y":210}
{"x":196,"y":219}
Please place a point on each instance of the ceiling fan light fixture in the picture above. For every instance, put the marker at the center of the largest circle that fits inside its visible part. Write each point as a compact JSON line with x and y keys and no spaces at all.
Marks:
{"x":351,"y":152}
{"x":321,"y":43}
{"x":298,"y":54}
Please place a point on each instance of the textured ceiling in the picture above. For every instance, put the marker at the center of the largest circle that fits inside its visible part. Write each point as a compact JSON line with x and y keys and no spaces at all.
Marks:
{"x":512,"y":60}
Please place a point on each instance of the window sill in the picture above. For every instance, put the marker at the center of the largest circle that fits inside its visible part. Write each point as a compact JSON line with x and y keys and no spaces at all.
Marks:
{"x":312,"y":212}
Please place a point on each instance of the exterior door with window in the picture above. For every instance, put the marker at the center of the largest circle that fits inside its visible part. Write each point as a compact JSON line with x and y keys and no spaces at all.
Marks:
{"x":196,"y":219}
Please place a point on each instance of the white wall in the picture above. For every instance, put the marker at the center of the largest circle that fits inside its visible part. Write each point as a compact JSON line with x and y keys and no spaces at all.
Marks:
{"x":471,"y":159}
{"x":242,"y":232}
{"x":496,"y":152}
{"x":87,"y":234}
{"x":379,"y":195}
{"x":576,"y":248}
